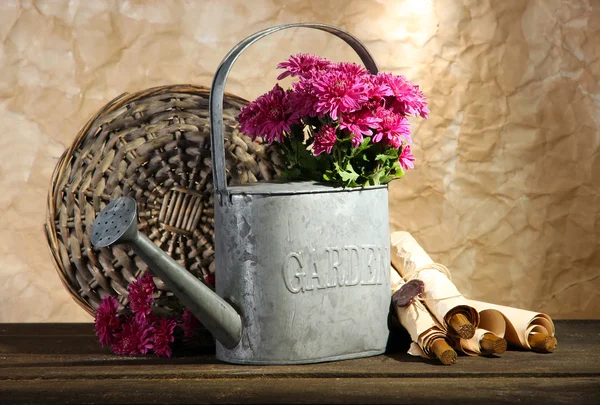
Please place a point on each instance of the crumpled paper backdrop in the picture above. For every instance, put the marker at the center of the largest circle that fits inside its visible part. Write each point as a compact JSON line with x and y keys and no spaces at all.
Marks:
{"x":506,"y":189}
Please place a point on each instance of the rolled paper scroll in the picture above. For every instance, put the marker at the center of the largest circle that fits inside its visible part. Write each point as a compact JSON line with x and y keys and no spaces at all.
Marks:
{"x":429,"y":339}
{"x":489,"y":336}
{"x":492,"y":320}
{"x":524,"y":329}
{"x":483,"y":343}
{"x":441,"y":296}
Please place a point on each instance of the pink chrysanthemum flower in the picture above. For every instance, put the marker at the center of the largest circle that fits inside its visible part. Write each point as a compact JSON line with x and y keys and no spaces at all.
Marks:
{"x":377,"y":90}
{"x":190,"y":323}
{"x":303,"y":65}
{"x":338,"y":92}
{"x":392,"y":128}
{"x":325,"y":138}
{"x":250,"y":119}
{"x":278,"y":116}
{"x":163,"y":336}
{"x":141,"y":295}
{"x":269,"y":116}
{"x":359,"y":123}
{"x":107,"y":320}
{"x":352,"y":69}
{"x":406,"y":98}
{"x":303,"y":99}
{"x":406,"y":158}
{"x":135,"y":336}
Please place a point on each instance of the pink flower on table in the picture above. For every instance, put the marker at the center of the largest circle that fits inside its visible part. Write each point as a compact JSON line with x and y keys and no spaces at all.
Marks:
{"x":339,"y":92}
{"x":107,"y":320}
{"x":325,"y":138}
{"x":392,"y":128}
{"x":209,"y":279}
{"x":359,"y":123}
{"x":141,"y":295}
{"x":163,"y":336}
{"x":406,"y":98}
{"x":303,"y":65}
{"x":406,"y":158}
{"x":269,"y":116}
{"x":135,"y":336}
{"x":190,"y":323}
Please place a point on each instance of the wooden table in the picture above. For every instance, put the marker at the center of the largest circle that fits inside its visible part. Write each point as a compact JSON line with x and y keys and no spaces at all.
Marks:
{"x":64,"y":363}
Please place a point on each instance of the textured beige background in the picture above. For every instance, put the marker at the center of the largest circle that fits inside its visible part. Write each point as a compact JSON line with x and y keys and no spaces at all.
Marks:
{"x":506,"y":191}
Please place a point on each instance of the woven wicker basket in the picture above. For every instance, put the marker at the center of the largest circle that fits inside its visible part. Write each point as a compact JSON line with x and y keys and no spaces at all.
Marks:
{"x":153,"y":146}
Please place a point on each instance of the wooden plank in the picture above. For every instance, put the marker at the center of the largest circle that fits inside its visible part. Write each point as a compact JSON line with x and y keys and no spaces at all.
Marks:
{"x":73,"y":357}
{"x":63,"y":363}
{"x":46,"y":329}
{"x":107,"y":366}
{"x":306,"y":390}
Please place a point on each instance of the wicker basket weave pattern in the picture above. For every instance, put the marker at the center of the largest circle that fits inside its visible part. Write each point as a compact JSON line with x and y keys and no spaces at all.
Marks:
{"x":153,"y":146}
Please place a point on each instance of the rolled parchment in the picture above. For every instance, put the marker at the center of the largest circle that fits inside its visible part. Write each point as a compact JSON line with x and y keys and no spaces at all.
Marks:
{"x":441,"y":296}
{"x":492,"y":320}
{"x":489,"y":336}
{"x":429,"y":339}
{"x":483,"y":343}
{"x":524,"y":329}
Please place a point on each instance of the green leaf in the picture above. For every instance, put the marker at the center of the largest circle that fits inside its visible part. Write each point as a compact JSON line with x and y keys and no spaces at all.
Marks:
{"x":386,"y":179}
{"x":364,"y":145}
{"x":388,"y":154}
{"x":347,"y":174}
{"x":376,"y":178}
{"x":382,"y":157}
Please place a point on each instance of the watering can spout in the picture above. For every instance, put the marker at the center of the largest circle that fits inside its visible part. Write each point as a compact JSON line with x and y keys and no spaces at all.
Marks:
{"x":117,"y":224}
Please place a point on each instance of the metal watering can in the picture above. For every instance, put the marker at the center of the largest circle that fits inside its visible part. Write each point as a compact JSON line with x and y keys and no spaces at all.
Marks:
{"x":302,"y":269}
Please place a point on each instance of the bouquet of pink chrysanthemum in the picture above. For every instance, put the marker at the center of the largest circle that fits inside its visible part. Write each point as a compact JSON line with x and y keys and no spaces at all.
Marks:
{"x":338,"y":122}
{"x":135,"y":329}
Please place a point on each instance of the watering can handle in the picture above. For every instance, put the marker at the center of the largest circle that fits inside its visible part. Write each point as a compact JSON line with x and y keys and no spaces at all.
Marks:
{"x":218,"y":89}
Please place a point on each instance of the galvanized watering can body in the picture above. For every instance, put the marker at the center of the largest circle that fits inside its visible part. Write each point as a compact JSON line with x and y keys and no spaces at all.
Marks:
{"x":307,"y":265}
{"x":309,"y":272}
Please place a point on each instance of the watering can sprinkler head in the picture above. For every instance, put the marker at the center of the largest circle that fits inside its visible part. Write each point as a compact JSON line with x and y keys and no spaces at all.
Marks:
{"x":117,"y":223}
